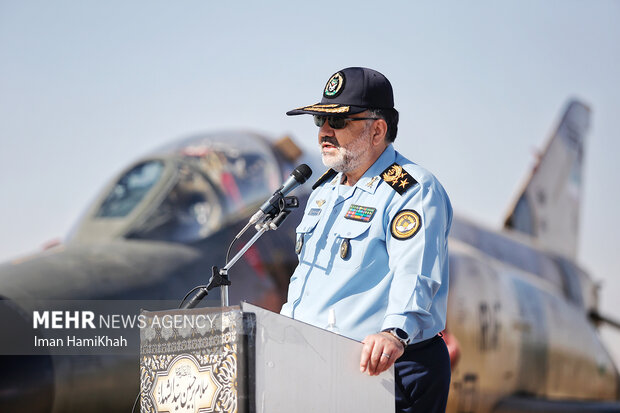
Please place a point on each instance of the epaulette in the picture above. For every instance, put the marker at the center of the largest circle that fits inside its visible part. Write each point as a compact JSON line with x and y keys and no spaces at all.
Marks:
{"x":330,"y":173}
{"x":396,"y":176}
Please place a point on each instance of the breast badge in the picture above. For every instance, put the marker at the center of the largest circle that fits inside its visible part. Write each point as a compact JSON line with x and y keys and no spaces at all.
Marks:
{"x":405,"y":224}
{"x":299,"y":244}
{"x":345,"y":247}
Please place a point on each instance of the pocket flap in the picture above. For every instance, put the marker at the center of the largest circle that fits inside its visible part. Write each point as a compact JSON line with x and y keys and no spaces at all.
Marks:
{"x":307,"y":224}
{"x":347,"y":228}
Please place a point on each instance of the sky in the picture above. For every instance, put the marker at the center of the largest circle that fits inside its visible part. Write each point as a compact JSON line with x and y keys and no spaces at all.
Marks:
{"x":88,"y":86}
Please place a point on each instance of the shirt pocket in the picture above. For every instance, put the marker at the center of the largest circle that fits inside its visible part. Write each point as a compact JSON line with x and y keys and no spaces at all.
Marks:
{"x":351,"y":243}
{"x":304,"y":230}
{"x":307,"y":224}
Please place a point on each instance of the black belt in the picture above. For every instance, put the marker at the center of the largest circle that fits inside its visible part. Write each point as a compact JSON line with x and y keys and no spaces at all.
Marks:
{"x":420,"y":344}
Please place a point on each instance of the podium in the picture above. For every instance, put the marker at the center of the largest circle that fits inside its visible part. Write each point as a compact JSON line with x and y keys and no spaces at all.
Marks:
{"x":247,"y":359}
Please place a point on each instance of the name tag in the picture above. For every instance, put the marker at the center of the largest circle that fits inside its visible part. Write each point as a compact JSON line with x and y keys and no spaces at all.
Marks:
{"x":314,"y":211}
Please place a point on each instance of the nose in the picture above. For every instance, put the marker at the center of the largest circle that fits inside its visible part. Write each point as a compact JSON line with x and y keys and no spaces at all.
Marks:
{"x":326,"y":130}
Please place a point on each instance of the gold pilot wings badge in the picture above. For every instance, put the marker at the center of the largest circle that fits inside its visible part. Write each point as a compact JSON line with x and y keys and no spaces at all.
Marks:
{"x":399,"y":179}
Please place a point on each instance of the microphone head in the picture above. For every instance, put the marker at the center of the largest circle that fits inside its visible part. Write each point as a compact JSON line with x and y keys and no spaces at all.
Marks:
{"x":302,"y":173}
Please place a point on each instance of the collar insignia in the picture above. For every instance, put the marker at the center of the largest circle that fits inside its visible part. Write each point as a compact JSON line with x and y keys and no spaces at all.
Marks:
{"x":398,"y":178}
{"x":372,"y":181}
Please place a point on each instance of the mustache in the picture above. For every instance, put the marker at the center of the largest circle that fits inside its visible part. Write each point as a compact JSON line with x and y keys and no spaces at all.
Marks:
{"x":331,"y":140}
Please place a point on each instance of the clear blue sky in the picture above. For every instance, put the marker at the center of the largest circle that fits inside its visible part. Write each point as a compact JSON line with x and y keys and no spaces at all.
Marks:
{"x":88,"y":86}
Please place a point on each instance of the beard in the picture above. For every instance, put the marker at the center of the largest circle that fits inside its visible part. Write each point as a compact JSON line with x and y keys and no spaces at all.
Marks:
{"x":348,"y":158}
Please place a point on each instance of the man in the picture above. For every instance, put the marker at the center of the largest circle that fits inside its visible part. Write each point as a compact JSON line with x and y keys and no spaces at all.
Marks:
{"x":372,"y":244}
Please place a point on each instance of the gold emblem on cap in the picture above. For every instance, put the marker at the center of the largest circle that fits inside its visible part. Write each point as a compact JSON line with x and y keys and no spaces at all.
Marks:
{"x":405,"y":224}
{"x":333,"y":86}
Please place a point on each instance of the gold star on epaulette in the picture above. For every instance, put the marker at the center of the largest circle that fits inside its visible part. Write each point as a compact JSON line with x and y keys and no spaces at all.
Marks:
{"x":399,"y":179}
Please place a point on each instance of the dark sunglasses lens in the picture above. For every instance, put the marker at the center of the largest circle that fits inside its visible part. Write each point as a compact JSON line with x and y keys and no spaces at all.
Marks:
{"x":319,"y":120}
{"x":337,"y":123}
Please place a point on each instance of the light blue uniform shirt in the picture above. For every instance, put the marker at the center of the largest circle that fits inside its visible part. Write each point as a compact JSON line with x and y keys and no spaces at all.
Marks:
{"x":384,"y":282}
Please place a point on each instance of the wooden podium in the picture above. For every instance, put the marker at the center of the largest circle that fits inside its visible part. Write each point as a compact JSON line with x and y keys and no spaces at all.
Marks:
{"x":247,"y":359}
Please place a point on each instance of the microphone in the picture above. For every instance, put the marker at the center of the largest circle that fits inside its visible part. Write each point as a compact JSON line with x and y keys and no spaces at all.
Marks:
{"x":298,"y":177}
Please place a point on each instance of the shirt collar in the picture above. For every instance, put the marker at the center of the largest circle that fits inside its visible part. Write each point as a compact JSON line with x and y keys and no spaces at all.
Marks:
{"x":371,"y":178}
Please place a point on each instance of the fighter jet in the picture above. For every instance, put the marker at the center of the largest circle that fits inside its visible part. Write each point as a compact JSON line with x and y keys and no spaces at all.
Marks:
{"x":522,"y":316}
{"x":153,"y":233}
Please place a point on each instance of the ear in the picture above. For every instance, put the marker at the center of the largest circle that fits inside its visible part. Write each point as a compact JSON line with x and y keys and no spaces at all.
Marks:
{"x":379,"y":130}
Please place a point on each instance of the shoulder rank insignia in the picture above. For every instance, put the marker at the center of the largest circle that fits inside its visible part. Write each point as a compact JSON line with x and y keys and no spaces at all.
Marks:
{"x":327,"y":175}
{"x":398,"y":178}
{"x":405,"y":224}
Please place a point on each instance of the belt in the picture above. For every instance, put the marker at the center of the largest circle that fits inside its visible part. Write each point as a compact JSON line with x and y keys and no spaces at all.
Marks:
{"x":421,"y":344}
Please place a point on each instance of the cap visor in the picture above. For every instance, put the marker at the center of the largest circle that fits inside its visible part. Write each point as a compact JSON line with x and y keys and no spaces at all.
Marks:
{"x":326,"y":109}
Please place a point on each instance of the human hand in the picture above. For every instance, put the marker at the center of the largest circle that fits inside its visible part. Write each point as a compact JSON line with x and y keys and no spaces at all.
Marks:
{"x":380,"y":351}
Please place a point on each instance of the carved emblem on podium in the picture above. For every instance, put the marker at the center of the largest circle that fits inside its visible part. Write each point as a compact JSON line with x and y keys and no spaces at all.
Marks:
{"x":186,"y":387}
{"x":193,"y":370}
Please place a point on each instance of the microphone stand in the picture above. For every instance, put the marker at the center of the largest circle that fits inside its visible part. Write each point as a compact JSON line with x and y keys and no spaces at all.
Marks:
{"x":219,"y":276}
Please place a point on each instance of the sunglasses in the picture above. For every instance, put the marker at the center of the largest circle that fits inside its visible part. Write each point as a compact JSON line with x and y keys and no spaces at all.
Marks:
{"x":335,"y":122}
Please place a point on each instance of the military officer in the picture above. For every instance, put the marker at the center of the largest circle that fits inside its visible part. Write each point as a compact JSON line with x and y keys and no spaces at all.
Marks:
{"x":372,"y":243}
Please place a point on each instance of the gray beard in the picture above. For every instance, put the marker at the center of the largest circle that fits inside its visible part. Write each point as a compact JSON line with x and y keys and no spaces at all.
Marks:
{"x":349,"y":157}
